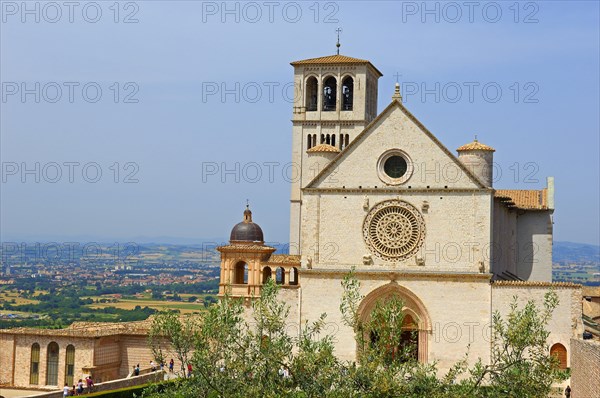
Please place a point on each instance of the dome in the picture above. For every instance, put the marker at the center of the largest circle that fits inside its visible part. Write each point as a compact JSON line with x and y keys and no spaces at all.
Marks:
{"x":475,"y":146}
{"x":247,"y":231}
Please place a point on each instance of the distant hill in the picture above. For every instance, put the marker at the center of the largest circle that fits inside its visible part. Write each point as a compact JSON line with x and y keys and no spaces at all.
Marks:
{"x":575,"y":253}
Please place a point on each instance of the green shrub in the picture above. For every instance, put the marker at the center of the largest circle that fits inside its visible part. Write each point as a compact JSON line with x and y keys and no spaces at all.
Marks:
{"x":125,"y":392}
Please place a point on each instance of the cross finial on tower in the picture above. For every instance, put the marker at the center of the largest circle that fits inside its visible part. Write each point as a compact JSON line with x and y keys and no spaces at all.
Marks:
{"x":397,"y":76}
{"x":475,"y":137}
{"x":247,"y":203}
{"x":338,"y":30}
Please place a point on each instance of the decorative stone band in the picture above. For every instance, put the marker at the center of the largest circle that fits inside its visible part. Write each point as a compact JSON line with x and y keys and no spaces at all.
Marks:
{"x":397,"y":275}
{"x":536,"y":284}
{"x":245,"y":248}
{"x":400,"y":190}
{"x":327,"y":122}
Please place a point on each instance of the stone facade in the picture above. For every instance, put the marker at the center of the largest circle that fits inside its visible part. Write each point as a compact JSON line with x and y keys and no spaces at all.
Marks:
{"x":585,"y":368}
{"x":412,"y":218}
{"x":566,"y":318}
{"x":104,"y":351}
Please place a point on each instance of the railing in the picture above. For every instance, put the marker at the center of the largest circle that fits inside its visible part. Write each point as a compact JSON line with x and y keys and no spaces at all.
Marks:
{"x":110,"y":385}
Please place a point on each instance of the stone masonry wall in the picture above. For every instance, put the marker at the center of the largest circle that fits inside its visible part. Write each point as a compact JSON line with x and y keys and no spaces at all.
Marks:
{"x":585,"y":368}
{"x":566,"y":318}
{"x":84,"y":356}
{"x":6,"y":358}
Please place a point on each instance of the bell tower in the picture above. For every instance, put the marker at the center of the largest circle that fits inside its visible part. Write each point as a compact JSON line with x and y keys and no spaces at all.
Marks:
{"x":335,"y":97}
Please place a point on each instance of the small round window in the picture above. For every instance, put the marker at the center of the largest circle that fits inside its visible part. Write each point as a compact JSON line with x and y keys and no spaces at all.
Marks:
{"x":394,"y":167}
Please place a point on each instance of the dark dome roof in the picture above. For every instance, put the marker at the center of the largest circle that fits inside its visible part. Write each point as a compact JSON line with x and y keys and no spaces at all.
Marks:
{"x":247,"y":231}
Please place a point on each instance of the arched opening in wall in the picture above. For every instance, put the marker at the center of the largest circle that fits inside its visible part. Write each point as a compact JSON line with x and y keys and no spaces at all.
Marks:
{"x":329,"y":94}
{"x":311,"y":94}
{"x":34,"y":366}
{"x":241,"y":273}
{"x":328,"y":140}
{"x":294,"y":276}
{"x":266,"y":274}
{"x":322,"y":139}
{"x":309,"y":142}
{"x":407,"y":347}
{"x":280,"y":276}
{"x":409,"y":341}
{"x":344,"y":139}
{"x":314,"y":140}
{"x":332,"y":139}
{"x":70,"y":365}
{"x":559,"y":352}
{"x":52,"y":365}
{"x":347,"y":93}
{"x":412,"y":342}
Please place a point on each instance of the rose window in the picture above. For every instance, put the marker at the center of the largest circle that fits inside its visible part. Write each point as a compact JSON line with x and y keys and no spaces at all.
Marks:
{"x":394,"y":230}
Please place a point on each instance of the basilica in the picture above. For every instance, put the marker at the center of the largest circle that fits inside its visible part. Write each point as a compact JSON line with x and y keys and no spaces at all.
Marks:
{"x":380,"y":193}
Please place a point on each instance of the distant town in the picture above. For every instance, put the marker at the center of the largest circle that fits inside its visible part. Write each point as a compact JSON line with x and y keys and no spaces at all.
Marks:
{"x":53,"y":285}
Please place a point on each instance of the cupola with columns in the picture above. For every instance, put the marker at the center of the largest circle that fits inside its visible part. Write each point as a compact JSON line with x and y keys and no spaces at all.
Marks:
{"x":247,"y":263}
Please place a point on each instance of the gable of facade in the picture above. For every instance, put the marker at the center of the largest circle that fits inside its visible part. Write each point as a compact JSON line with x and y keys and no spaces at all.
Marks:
{"x":431,"y":165}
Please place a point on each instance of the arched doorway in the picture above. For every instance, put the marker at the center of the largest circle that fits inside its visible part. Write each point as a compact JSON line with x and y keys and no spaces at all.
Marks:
{"x":52,"y":364}
{"x":560,"y":352}
{"x":406,"y":346}
{"x":416,"y":324}
{"x":70,"y":364}
{"x":34,"y":367}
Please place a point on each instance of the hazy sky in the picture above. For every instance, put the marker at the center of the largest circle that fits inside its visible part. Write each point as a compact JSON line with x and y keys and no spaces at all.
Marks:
{"x":184,"y":107}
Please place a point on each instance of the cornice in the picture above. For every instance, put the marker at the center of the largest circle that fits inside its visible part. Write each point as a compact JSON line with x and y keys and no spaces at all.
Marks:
{"x":239,"y":248}
{"x":401,"y":275}
{"x":397,"y":190}
{"x":536,"y":284}
{"x":332,"y":122}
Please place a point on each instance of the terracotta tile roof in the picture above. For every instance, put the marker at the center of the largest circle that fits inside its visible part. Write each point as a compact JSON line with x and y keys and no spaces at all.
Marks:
{"x":334,"y":59}
{"x":323,"y":148}
{"x":475,"y":146}
{"x":525,"y":199}
{"x":88,"y":329}
{"x":284,"y":259}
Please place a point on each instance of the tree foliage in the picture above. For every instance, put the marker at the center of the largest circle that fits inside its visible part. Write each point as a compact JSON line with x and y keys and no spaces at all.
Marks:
{"x":236,"y":356}
{"x":172,"y":333}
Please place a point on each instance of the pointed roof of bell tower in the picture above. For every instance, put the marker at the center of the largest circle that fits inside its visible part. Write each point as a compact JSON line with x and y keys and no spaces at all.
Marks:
{"x":337,"y":59}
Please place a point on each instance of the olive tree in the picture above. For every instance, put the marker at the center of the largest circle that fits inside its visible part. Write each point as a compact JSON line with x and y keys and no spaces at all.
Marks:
{"x":171,"y":332}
